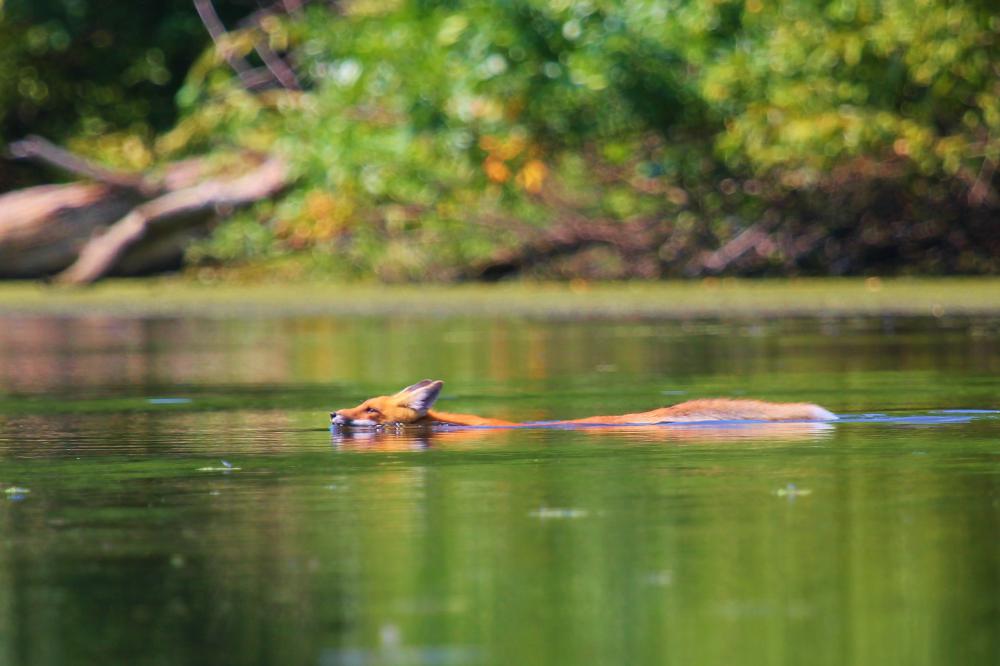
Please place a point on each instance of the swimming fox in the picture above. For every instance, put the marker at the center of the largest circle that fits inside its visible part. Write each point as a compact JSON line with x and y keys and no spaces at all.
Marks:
{"x":413,"y":405}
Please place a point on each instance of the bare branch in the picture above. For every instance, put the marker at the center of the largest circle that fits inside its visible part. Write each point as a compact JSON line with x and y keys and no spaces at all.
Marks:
{"x":980,"y":192}
{"x":249,"y":76}
{"x":42,"y":150}
{"x":717,"y":261}
{"x":282,"y":72}
{"x":570,"y":235}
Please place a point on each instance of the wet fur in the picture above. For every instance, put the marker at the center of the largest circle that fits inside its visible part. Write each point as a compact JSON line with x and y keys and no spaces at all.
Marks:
{"x":413,"y":404}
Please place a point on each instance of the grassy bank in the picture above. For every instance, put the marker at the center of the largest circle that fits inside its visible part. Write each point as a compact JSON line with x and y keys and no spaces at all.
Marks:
{"x":705,"y":298}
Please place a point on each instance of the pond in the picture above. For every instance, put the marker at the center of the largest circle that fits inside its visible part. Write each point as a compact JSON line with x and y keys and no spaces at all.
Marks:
{"x":172,"y":493}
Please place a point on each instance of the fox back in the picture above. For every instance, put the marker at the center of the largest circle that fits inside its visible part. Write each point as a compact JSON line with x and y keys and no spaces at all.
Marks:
{"x":413,"y":405}
{"x":719,"y":409}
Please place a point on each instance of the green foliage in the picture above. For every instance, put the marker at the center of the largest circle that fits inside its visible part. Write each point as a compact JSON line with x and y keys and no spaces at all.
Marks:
{"x":433,"y":136}
{"x":100,"y":75}
{"x":826,"y":82}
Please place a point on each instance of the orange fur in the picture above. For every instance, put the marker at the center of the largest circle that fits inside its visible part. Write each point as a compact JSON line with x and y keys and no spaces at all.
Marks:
{"x":412,"y":405}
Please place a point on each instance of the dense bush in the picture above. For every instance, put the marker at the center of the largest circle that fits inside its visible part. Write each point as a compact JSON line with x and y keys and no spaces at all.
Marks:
{"x":442,"y":140}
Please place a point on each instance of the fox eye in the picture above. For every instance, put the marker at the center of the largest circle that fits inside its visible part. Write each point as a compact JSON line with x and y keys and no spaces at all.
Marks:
{"x":372,"y":410}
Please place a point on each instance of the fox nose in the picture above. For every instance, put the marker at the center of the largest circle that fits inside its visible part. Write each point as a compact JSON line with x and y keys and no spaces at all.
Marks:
{"x":337,"y":419}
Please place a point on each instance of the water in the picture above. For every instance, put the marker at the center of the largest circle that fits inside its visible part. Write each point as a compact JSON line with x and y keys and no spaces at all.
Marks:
{"x":172,"y":494}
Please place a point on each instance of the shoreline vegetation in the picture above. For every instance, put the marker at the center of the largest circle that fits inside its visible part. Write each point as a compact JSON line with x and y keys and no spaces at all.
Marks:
{"x":707,"y":298}
{"x":482,"y":141}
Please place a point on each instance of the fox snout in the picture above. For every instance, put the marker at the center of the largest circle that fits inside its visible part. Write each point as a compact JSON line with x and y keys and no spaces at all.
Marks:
{"x":336,"y":418}
{"x":341,"y":419}
{"x":408,"y":406}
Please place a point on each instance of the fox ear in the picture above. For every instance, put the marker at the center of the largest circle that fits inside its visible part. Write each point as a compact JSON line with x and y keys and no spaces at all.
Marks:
{"x":413,"y":387}
{"x":422,"y":395}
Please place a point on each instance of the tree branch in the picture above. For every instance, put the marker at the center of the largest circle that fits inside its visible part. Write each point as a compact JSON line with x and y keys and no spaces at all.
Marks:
{"x":282,"y":72}
{"x":250,"y":77}
{"x":42,"y":150}
{"x":718,"y":260}
{"x":101,"y":254}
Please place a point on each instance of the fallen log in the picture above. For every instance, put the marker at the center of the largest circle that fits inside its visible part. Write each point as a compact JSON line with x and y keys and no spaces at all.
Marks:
{"x":43,"y":228}
{"x":124,"y":224}
{"x":175,"y":210}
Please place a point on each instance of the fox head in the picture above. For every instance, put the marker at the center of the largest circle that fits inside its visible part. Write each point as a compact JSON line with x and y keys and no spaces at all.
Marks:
{"x":407,"y":406}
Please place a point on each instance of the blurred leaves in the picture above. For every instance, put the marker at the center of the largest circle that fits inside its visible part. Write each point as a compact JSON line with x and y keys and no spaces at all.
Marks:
{"x":846,"y":135}
{"x":99,"y":76}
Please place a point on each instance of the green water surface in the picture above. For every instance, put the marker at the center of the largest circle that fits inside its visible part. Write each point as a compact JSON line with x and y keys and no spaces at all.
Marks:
{"x":172,"y":494}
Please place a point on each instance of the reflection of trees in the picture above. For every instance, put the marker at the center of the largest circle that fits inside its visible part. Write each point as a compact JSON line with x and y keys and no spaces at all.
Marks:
{"x":516,"y":368}
{"x":60,"y":354}
{"x":614,"y":545}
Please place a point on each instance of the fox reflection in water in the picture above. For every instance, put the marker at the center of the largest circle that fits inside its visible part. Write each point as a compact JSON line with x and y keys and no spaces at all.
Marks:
{"x":417,"y":438}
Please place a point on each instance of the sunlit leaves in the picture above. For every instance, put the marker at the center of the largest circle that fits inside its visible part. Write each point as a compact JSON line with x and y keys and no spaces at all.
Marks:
{"x":430,"y":134}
